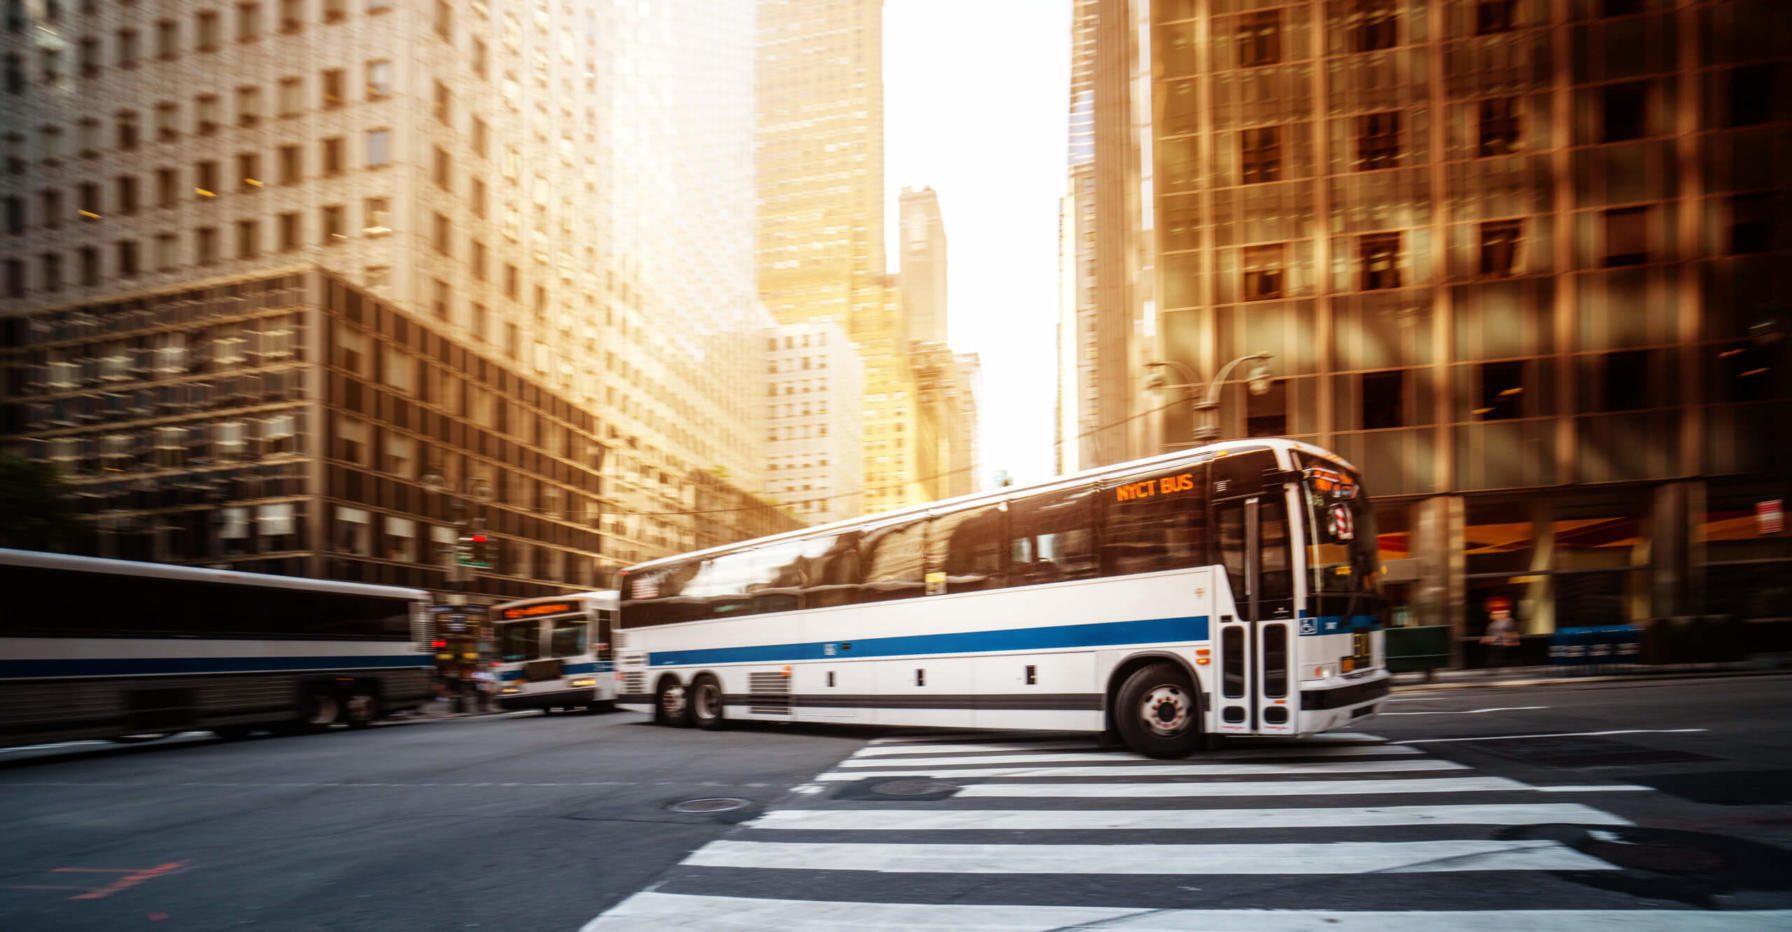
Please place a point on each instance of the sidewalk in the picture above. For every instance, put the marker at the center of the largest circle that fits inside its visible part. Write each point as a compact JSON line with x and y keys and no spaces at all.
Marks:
{"x":444,"y":709}
{"x":1553,"y":675}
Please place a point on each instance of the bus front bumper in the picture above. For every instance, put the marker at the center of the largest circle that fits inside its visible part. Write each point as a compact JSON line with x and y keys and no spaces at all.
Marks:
{"x":1324,"y":708}
{"x":556,"y":699}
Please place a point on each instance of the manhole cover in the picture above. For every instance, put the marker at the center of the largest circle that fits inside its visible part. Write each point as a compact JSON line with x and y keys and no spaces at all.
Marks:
{"x":912,"y":788}
{"x":710,"y":804}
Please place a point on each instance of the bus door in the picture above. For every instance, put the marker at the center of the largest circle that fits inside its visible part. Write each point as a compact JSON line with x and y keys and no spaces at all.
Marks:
{"x":1255,"y":646}
{"x":603,"y":650}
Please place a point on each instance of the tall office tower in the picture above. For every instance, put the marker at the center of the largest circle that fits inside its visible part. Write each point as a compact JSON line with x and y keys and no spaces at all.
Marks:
{"x":923,"y":272}
{"x":816,"y":399}
{"x":1101,"y":378}
{"x":538,"y":183}
{"x":1520,"y":261}
{"x":821,"y":217}
{"x":965,"y":477}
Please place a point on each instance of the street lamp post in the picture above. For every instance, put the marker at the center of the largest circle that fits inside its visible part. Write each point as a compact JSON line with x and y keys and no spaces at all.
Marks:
{"x":1206,"y":410}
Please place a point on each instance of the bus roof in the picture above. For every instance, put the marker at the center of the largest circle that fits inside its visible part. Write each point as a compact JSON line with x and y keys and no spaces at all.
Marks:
{"x":61,"y":561}
{"x":1197,"y":454}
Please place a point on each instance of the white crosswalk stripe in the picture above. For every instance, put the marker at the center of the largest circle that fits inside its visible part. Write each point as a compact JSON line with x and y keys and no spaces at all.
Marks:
{"x":975,"y":832}
{"x":888,"y":820}
{"x":666,"y":910}
{"x":1156,"y":770}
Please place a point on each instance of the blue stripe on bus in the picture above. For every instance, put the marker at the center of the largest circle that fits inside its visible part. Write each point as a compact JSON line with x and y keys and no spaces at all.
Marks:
{"x":1337,"y":624}
{"x":146,"y":666}
{"x":1101,"y":634}
{"x":600,"y":666}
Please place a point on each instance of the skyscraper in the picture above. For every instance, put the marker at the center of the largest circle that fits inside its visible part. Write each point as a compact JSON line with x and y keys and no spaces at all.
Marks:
{"x":816,"y":400}
{"x":1105,"y":326}
{"x":1518,"y":261}
{"x":923,"y":271}
{"x":565,"y":188}
{"x":821,"y":216}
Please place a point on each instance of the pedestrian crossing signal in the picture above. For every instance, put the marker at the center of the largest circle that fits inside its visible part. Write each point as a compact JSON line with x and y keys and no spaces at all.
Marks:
{"x":474,"y":550}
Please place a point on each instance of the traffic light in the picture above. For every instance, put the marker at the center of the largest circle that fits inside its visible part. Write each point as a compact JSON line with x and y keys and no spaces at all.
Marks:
{"x":475,"y":550}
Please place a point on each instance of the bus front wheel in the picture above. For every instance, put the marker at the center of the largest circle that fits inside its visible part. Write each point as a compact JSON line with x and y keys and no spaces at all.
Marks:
{"x":706,"y":703}
{"x":670,"y":706}
{"x":1158,"y":713}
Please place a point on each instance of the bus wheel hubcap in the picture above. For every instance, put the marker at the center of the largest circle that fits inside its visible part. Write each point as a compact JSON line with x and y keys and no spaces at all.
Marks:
{"x":1166,"y":710}
{"x":672,"y":700}
{"x":708,"y":701}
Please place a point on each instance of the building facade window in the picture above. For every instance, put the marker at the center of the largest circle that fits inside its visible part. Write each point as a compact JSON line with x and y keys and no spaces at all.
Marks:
{"x":1751,"y":223}
{"x":1260,"y":154}
{"x":379,"y":79}
{"x":1384,"y":399}
{"x":1374,"y":26}
{"x":1493,"y":16}
{"x":1502,"y":391}
{"x":1500,"y":240}
{"x":1624,"y":111}
{"x":1626,"y":236}
{"x":1379,"y":254}
{"x":1260,"y":38}
{"x":1265,"y":272}
{"x":1497,"y":123}
{"x":1378,"y":140}
{"x":379,"y":148}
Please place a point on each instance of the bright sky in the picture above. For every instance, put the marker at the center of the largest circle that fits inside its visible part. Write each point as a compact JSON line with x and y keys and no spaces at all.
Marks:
{"x":974,"y":107}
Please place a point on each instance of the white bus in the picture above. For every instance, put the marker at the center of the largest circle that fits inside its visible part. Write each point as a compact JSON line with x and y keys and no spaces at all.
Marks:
{"x":95,"y":648}
{"x":1228,"y":589}
{"x":555,"y":653}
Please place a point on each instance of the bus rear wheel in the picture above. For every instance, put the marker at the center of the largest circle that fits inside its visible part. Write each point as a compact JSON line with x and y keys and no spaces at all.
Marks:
{"x":362,"y":708}
{"x":670,"y":706}
{"x":321,"y":710}
{"x":706,"y":703}
{"x":1157,"y":712}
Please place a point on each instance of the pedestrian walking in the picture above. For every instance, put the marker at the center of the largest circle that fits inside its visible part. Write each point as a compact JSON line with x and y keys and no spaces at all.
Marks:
{"x":1501,"y":637}
{"x":484,"y":683}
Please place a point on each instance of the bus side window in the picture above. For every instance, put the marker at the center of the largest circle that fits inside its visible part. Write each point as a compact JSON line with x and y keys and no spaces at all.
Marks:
{"x":967,"y":547}
{"x":833,"y":575}
{"x":1051,"y":537}
{"x":892,"y":560}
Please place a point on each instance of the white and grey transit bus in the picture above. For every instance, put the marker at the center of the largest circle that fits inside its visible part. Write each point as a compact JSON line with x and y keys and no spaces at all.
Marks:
{"x":1228,"y":589}
{"x":97,"y":648}
{"x":555,"y":652}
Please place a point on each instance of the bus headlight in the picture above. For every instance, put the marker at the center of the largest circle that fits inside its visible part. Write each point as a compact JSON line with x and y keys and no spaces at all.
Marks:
{"x":583,"y":681}
{"x":509,"y":690}
{"x":1321,"y":672}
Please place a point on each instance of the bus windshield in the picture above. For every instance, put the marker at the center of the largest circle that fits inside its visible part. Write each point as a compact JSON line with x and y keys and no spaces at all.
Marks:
{"x":1341,"y":549}
{"x":519,"y":641}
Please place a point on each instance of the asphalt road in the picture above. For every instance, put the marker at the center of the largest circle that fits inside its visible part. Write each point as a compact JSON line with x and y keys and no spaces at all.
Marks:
{"x":1679,"y":809}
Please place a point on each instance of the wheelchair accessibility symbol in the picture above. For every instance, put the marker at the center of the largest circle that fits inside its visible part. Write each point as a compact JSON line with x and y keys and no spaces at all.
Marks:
{"x":1309,"y":626}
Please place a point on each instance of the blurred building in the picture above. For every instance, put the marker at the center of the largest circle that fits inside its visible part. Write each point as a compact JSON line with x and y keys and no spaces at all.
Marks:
{"x":817,"y":399}
{"x":289,"y":422}
{"x":821,"y":214}
{"x":1523,"y":262}
{"x":547,"y":186}
{"x":1106,"y":324}
{"x":923,"y":268}
{"x":946,"y":434}
{"x":966,"y":475}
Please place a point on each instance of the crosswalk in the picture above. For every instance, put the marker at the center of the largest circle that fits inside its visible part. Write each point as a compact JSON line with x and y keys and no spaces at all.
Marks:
{"x":1342,"y":832}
